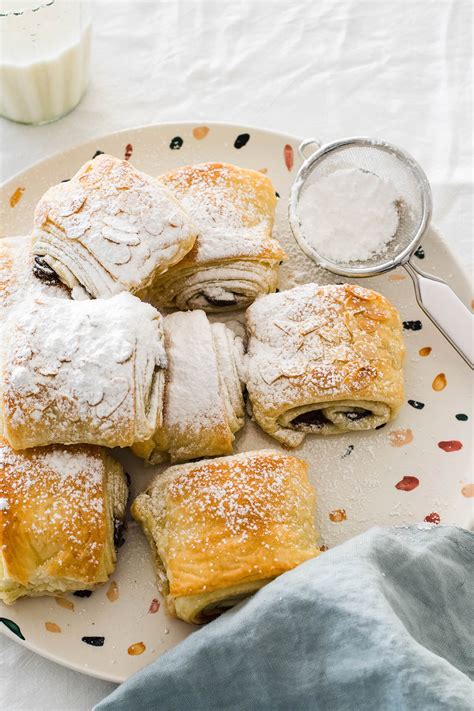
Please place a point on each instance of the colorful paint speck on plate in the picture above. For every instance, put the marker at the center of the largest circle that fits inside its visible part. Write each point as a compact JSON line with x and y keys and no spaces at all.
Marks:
{"x":12,"y":626}
{"x":468,"y":491}
{"x":440,"y":382}
{"x":416,"y":404}
{"x":136,"y":649}
{"x":176,"y":143}
{"x":400,"y":438}
{"x":94,"y":641}
{"x":154,"y":606}
{"x":412,"y":325}
{"x":200,"y":132}
{"x":408,"y":483}
{"x":289,"y":156}
{"x":241,"y":140}
{"x":65,"y":603}
{"x":52,"y":627}
{"x":450,"y":445}
{"x":16,"y":196}
{"x":338,"y":515}
{"x":394,"y":476}
{"x":113,"y":591}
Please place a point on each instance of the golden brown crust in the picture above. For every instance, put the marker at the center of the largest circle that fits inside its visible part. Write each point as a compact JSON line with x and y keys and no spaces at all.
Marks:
{"x":57,"y":511}
{"x":315,"y":346}
{"x":250,"y":192}
{"x":225,"y":522}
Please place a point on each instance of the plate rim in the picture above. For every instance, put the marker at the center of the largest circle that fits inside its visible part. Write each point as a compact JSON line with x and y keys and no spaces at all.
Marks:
{"x":144,"y":126}
{"x":73,"y":666}
{"x":463,"y":271}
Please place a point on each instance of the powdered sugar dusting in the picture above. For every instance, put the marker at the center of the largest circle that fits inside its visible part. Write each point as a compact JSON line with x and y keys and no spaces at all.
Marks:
{"x":96,"y":364}
{"x":297,"y":269}
{"x":192,"y":396}
{"x":349,"y":215}
{"x":16,"y":277}
{"x":312,"y":344}
{"x":71,"y":463}
{"x":111,"y":228}
{"x":249,"y":497}
{"x":58,"y":493}
{"x":203,"y":403}
{"x":233,"y":210}
{"x":253,"y":512}
{"x":235,"y":258}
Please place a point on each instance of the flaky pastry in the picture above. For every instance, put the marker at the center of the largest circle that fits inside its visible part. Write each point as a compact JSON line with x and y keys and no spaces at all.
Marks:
{"x":60,"y":510}
{"x":235,"y":258}
{"x":220,"y":529}
{"x":324,"y":360}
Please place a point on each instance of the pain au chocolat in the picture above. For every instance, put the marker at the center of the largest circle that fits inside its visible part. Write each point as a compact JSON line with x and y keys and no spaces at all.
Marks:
{"x":323,"y":360}
{"x":220,"y":529}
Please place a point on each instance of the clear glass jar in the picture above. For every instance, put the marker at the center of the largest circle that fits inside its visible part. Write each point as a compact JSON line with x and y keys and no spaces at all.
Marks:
{"x":44,"y":58}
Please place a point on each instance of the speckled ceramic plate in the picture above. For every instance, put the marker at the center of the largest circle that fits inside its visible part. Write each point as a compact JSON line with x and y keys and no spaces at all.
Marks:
{"x":416,"y":469}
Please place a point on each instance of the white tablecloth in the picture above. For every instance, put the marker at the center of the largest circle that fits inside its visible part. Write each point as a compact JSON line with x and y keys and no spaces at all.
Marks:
{"x":330,"y":68}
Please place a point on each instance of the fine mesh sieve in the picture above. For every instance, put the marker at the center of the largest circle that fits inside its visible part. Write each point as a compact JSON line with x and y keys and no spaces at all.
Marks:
{"x":387,"y":162}
{"x":414,"y":206}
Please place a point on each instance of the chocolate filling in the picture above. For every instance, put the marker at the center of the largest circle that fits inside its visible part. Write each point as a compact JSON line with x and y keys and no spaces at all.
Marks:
{"x":315,"y":418}
{"x":220,"y":303}
{"x":43,"y":271}
{"x":119,"y":527}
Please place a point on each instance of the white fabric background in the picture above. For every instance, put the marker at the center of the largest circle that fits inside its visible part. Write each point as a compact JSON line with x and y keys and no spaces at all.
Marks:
{"x":400,"y":70}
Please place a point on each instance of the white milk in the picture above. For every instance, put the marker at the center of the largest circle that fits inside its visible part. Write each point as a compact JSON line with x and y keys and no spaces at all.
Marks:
{"x":44,"y":58}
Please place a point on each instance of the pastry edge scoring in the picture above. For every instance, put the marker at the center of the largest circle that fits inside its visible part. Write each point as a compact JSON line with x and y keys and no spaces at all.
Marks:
{"x":201,"y":598}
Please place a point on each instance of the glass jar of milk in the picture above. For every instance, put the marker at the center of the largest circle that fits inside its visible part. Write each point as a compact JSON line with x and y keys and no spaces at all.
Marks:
{"x":44,"y":58}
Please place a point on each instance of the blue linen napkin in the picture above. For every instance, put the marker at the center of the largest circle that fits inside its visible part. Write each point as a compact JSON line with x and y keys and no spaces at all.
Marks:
{"x":382,"y":622}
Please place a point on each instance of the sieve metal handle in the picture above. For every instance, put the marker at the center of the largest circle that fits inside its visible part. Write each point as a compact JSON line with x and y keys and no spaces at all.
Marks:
{"x":309,"y":142}
{"x":446,"y":311}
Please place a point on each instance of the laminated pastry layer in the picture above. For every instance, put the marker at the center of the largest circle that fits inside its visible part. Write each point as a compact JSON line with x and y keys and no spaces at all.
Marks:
{"x":323,"y":360}
{"x":203,"y":404}
{"x":220,"y":529}
{"x":111,"y":228}
{"x":235,"y":258}
{"x":59,"y":508}
{"x":17,"y":280}
{"x":82,"y":372}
